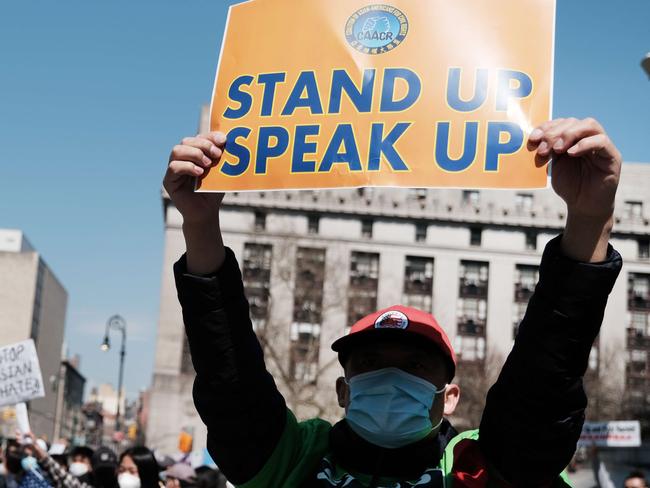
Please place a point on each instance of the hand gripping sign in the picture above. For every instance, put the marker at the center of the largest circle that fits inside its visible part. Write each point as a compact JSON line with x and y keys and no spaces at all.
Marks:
{"x":411,"y":93}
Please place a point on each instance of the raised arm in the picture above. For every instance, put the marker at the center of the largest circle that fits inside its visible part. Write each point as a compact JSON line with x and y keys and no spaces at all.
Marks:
{"x":234,"y":394}
{"x":535,"y":411}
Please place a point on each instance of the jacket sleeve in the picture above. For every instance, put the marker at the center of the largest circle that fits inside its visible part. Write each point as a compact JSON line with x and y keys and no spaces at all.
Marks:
{"x":234,"y":394}
{"x":60,"y":477}
{"x":534,"y":412}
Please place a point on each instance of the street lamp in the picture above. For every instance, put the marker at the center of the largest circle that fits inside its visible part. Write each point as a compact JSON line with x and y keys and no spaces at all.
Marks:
{"x":645,"y":63}
{"x":118,"y":323}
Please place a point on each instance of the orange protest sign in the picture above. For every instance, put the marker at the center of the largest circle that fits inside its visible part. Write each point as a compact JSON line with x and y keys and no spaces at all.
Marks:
{"x":411,"y":93}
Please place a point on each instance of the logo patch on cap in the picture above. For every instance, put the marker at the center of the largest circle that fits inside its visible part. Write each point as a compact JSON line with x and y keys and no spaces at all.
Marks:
{"x":393,"y":319}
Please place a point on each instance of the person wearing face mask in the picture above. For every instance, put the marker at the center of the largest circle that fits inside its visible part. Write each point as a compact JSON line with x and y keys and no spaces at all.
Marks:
{"x":22,"y":466}
{"x":138,"y":468}
{"x":397,"y":387}
{"x":80,"y":464}
{"x":102,"y":473}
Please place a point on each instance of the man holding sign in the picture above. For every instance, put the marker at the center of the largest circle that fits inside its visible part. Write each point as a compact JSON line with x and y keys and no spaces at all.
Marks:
{"x":398,"y":362}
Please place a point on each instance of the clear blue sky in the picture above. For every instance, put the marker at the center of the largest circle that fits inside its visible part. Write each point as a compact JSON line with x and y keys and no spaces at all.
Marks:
{"x":94,"y":94}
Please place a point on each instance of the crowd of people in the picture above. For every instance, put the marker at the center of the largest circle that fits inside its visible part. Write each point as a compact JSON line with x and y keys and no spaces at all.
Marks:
{"x":27,"y":462}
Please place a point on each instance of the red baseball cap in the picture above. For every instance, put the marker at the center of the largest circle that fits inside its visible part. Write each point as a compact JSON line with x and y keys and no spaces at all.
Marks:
{"x":395,"y":321}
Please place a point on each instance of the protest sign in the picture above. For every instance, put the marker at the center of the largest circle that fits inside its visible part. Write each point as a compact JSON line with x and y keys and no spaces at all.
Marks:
{"x":20,"y":373}
{"x":622,"y":433}
{"x":22,"y":418}
{"x":348,"y":93}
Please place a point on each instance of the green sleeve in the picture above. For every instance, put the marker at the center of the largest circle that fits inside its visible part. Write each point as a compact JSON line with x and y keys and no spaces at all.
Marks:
{"x":296,"y":456}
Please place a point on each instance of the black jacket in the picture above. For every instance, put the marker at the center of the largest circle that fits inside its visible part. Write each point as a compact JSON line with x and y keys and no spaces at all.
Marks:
{"x":533,"y":415}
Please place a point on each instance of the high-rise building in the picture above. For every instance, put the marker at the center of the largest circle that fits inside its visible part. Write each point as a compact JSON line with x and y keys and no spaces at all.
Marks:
{"x":315,"y":261}
{"x":33,"y":304}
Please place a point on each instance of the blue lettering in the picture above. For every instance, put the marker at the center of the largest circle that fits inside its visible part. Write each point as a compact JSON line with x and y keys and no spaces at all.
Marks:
{"x":388,"y":104}
{"x":264,"y":148}
{"x":480,"y":90}
{"x":343,"y":135}
{"x":469,"y":147}
{"x":361,"y":99}
{"x":306,"y":83}
{"x":269,"y":80}
{"x":385,"y":145}
{"x":495,"y":147}
{"x":505,"y":91}
{"x":237,"y":150}
{"x":302,"y":147}
{"x":244,"y":99}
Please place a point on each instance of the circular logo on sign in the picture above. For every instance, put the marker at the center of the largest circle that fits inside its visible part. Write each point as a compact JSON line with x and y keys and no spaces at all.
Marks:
{"x":376,"y":29}
{"x":393,"y":319}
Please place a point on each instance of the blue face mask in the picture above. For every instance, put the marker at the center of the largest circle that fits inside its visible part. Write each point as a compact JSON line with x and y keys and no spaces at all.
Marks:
{"x":390,"y":408}
{"x":29,"y":463}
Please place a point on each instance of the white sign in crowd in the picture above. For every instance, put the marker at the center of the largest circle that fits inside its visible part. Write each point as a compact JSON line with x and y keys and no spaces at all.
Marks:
{"x":621,"y":433}
{"x":20,"y":373}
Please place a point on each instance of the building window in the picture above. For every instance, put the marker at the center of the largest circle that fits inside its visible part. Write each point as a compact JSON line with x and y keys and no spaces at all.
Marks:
{"x":472,"y":316}
{"x":313,"y":224}
{"x":518,"y":312}
{"x":639,"y":324}
{"x":526,"y":278}
{"x":421,"y":232}
{"x":364,"y":278}
{"x":473,"y":279}
{"x":471,"y":197}
{"x":523,"y":202}
{"x":310,"y":277}
{"x":366,"y":228}
{"x":260,"y":221}
{"x":257,"y":281}
{"x":531,"y":240}
{"x":307,"y":314}
{"x":638,"y":343}
{"x":638,"y":292}
{"x":305,"y":340}
{"x":418,"y":283}
{"x":643,"y":248}
{"x":475,"y":236}
{"x":633,"y":210}
{"x":470,"y":349}
{"x":471,"y":310}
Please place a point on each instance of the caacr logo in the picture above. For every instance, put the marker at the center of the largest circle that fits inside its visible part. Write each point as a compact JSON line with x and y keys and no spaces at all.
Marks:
{"x":376,"y":29}
{"x":393,"y":319}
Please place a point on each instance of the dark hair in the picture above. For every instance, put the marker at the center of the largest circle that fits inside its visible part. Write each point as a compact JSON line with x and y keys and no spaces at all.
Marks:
{"x":148,"y":467}
{"x":83,"y":451}
{"x":206,"y":477}
{"x":104,"y":476}
{"x":637,"y":474}
{"x":13,"y":455}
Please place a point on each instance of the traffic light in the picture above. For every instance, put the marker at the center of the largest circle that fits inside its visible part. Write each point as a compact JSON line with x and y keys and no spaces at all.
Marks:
{"x":132,"y":432}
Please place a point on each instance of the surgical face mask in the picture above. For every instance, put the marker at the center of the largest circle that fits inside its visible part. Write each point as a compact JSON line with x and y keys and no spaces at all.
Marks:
{"x":29,"y":463}
{"x":390,"y":408}
{"x":128,"y":480}
{"x":78,"y":469}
